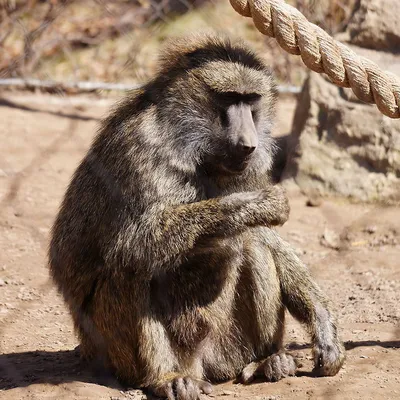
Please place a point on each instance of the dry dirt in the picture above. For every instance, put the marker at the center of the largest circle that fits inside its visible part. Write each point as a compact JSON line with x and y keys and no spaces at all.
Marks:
{"x":352,"y":250}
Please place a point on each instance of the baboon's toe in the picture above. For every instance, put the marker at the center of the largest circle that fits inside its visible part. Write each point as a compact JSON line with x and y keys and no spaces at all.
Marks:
{"x":249,"y":373}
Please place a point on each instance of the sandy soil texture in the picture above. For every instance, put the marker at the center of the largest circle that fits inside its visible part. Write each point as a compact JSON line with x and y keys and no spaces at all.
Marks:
{"x":353,"y":252}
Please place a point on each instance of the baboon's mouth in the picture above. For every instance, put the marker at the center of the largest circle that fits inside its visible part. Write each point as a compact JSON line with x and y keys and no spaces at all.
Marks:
{"x":236,"y":167}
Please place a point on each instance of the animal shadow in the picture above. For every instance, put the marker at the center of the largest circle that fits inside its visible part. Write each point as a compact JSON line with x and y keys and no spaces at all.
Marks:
{"x":52,"y":367}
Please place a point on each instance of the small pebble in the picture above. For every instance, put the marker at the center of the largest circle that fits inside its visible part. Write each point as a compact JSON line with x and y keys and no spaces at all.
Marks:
{"x":371,"y":229}
{"x":314,"y":202}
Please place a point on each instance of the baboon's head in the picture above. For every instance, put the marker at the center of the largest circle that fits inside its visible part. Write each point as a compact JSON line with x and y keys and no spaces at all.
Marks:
{"x":219,"y":100}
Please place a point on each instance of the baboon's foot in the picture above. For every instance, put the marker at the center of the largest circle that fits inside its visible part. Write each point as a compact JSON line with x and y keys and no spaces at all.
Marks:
{"x":181,"y":388}
{"x":273,"y":368}
{"x":328,"y":358}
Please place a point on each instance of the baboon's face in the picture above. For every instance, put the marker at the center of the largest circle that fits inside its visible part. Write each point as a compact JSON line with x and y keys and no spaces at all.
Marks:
{"x":242,"y":101}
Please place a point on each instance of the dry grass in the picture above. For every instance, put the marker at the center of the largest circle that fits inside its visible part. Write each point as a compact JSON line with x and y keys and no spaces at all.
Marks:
{"x":119,"y":40}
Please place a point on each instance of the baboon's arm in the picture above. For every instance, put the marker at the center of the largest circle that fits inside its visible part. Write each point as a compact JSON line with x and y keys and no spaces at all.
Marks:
{"x":306,"y":302}
{"x":167,"y":232}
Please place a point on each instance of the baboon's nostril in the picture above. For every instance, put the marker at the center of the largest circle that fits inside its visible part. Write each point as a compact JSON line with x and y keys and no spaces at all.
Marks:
{"x":246,"y":149}
{"x":249,"y":149}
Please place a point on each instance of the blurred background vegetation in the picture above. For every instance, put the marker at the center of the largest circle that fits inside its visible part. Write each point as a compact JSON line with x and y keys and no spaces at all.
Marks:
{"x":118,"y":40}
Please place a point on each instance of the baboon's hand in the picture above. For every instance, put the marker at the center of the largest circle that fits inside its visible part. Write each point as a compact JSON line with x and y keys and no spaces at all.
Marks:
{"x":276,"y":205}
{"x":328,"y":359}
{"x":270,"y":207}
{"x":266,"y":207}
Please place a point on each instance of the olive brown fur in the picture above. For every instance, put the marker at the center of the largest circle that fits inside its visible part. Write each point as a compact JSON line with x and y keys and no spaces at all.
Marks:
{"x":164,"y":248}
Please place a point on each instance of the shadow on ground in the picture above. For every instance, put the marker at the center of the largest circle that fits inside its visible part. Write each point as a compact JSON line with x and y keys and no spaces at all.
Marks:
{"x":24,"y":369}
{"x":52,"y":367}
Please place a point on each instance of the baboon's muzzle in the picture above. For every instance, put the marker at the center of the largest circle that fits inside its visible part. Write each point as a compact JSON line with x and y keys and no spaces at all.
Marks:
{"x":243,"y":136}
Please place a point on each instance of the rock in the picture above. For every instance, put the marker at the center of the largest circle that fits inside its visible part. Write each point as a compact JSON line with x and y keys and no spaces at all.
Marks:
{"x":371,"y":229}
{"x":314,"y":201}
{"x":330,"y":239}
{"x":340,"y":146}
{"x":375,"y":25}
{"x":227,"y":393}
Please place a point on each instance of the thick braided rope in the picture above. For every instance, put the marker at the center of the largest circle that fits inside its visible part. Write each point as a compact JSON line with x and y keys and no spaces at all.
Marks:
{"x":322,"y":54}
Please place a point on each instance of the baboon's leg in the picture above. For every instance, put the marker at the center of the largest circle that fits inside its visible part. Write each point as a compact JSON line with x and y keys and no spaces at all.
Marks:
{"x":267,"y":314}
{"x":147,"y":359}
{"x":306,"y":302}
{"x":178,"y":380}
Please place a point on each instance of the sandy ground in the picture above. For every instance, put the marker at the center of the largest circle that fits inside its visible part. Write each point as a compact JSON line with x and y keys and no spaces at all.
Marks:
{"x":352,"y":250}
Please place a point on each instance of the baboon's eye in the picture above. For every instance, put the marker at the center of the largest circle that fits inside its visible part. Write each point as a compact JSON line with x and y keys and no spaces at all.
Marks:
{"x":227,"y":99}
{"x":252,"y":98}
{"x":223,"y":115}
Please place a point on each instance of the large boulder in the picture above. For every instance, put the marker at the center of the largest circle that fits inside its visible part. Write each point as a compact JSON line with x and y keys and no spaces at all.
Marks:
{"x":341,"y":146}
{"x":375,"y":24}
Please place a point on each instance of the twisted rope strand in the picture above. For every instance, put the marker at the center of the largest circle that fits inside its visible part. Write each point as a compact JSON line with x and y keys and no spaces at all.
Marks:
{"x":323,"y":54}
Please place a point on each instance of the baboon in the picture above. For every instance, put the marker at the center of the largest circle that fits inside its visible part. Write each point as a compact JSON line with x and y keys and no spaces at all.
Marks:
{"x":164,"y":248}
